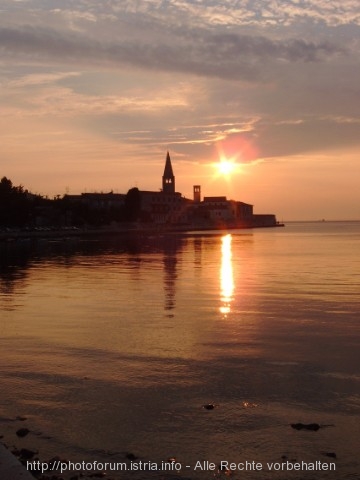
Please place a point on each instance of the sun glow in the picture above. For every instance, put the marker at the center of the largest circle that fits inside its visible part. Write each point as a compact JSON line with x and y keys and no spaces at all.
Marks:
{"x":233,"y":152}
{"x":226,"y":166}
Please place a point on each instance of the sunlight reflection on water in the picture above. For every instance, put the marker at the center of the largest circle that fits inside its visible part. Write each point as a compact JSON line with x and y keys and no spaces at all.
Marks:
{"x":226,"y":275}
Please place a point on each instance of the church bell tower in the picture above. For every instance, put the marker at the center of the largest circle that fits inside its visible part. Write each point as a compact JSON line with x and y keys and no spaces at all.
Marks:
{"x":168,"y":179}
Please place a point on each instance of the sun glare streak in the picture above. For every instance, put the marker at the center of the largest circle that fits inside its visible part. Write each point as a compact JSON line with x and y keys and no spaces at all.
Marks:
{"x":226,"y":275}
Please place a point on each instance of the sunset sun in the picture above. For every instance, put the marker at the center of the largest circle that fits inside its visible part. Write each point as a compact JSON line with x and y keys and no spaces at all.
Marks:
{"x":225,"y":167}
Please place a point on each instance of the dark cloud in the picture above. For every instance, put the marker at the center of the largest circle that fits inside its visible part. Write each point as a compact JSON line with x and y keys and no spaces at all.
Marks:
{"x":224,"y":55}
{"x":260,"y":48}
{"x":311,"y":135}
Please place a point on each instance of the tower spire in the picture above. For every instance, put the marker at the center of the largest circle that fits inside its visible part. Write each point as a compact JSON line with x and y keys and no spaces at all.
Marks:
{"x":168,"y":179}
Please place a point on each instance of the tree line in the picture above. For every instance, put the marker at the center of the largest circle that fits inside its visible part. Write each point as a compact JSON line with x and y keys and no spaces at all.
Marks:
{"x":21,"y":208}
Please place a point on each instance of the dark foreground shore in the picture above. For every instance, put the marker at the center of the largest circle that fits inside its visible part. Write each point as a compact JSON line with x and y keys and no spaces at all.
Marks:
{"x":11,"y":468}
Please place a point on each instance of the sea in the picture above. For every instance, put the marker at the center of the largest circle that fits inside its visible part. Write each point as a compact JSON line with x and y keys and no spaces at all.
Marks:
{"x":198,"y":355}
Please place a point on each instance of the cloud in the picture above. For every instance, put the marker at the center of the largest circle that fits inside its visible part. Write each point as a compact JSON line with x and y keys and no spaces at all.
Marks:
{"x":221,"y":55}
{"x":40,"y":79}
{"x":312,"y":134}
{"x":231,"y":12}
{"x":75,"y":19}
{"x":61,"y":101}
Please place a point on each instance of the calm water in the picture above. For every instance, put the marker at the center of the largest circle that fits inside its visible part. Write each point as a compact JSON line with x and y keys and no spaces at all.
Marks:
{"x":113,"y":347}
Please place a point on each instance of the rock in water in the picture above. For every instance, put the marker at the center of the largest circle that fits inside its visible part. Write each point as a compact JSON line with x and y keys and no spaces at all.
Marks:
{"x":303,"y":426}
{"x":26,"y":454}
{"x":209,"y":406}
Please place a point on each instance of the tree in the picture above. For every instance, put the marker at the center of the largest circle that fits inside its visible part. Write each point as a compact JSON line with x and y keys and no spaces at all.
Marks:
{"x":14,"y":204}
{"x":5,"y":187}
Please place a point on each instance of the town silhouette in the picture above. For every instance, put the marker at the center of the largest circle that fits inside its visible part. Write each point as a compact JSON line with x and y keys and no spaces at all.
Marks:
{"x":162,"y":209}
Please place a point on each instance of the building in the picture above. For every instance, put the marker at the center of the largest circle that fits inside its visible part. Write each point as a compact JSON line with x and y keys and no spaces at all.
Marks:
{"x":166,"y":207}
{"x":98,"y":201}
{"x":168,"y":179}
{"x":219,"y":212}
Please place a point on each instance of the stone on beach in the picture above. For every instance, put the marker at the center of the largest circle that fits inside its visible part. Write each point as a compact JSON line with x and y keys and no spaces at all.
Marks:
{"x":22,"y":432}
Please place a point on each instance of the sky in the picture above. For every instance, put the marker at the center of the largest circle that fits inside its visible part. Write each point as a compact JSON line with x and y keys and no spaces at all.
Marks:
{"x":94,"y":93}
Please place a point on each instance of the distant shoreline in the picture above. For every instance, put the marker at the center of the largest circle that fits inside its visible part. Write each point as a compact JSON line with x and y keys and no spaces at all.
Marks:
{"x":73,"y":232}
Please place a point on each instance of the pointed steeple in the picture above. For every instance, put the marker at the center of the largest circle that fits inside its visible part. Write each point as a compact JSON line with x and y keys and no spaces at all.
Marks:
{"x":168,"y":179}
